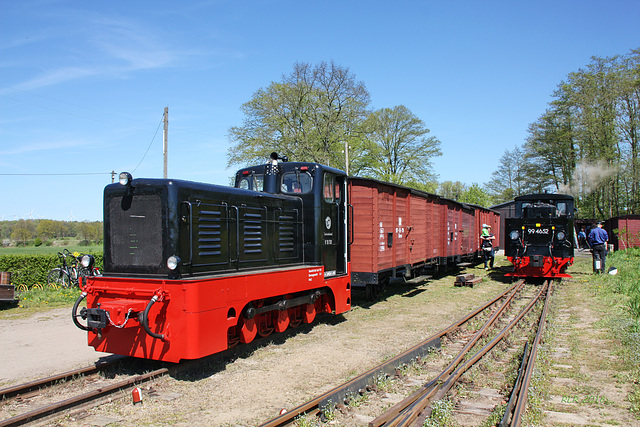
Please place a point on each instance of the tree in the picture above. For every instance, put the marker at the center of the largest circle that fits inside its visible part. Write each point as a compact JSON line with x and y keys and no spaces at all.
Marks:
{"x":475,"y":195}
{"x":452,"y":190}
{"x":90,"y":231}
{"x":23,"y":231}
{"x":309,"y":116}
{"x":508,"y":181}
{"x":397,"y":148}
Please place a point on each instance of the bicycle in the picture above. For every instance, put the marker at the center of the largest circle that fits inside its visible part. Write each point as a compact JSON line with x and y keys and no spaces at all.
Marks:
{"x":68,"y":273}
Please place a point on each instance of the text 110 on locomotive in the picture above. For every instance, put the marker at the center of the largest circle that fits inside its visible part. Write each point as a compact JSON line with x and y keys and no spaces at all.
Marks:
{"x":540,"y":237}
{"x":191,"y":269}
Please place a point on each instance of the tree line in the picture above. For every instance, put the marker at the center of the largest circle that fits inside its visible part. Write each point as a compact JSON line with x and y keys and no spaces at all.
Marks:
{"x":584,"y":144}
{"x":44,"y":231}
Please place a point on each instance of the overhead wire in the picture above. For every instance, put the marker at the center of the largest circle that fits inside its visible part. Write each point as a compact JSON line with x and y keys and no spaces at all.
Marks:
{"x":150,"y":143}
{"x":91,"y":173}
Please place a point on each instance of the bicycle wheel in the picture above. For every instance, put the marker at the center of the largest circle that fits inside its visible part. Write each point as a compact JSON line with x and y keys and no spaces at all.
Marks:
{"x":58,"y":277}
{"x":73,"y":275}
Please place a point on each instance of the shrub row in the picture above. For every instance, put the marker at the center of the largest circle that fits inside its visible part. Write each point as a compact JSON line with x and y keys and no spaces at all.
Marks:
{"x":31,"y":269}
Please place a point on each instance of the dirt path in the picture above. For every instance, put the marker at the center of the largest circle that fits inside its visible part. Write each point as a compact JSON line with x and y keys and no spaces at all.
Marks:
{"x":40,"y":345}
{"x":585,"y":385}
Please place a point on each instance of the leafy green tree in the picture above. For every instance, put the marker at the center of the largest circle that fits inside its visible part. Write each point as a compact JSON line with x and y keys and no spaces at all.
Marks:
{"x":628,"y":121}
{"x":550,"y":150}
{"x":398,"y":148}
{"x":452,"y":190}
{"x":90,"y":231}
{"x":509,"y":180}
{"x":23,"y":231}
{"x":474,"y":194}
{"x":310,"y":115}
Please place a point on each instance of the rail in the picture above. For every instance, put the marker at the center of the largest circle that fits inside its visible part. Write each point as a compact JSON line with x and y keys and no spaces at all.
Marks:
{"x":358,"y":383}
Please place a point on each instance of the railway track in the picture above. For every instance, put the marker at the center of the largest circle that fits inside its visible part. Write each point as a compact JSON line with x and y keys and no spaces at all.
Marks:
{"x":505,"y":310}
{"x":13,"y":399}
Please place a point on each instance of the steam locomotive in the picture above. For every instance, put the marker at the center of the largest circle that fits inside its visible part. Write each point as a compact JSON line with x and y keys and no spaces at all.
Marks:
{"x":540,"y":237}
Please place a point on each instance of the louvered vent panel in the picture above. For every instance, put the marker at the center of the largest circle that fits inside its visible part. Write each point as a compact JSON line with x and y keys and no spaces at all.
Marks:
{"x":209,"y":233}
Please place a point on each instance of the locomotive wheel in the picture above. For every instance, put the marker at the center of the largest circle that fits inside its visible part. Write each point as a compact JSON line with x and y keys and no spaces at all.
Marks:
{"x":265,"y":324}
{"x":248,"y":330}
{"x":232,"y":337}
{"x":295,"y":316}
{"x":282,"y":321}
{"x":309,"y":313}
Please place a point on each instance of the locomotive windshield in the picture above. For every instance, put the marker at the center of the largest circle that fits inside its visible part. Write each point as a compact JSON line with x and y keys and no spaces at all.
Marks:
{"x":296,"y":182}
{"x":555,"y":207}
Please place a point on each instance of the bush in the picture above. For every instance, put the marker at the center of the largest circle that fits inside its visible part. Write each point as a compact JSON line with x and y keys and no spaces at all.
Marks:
{"x":37,"y":241}
{"x":31,"y":269}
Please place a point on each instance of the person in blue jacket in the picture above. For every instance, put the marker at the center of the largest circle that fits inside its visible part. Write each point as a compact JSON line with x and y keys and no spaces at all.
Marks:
{"x":598,"y":239}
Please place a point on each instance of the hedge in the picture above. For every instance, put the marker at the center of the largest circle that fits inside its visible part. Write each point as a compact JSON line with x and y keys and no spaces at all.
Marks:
{"x":31,"y":269}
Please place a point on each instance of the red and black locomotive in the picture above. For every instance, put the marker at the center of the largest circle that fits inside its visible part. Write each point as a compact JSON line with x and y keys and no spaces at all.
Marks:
{"x":191,"y":269}
{"x":540,"y":237}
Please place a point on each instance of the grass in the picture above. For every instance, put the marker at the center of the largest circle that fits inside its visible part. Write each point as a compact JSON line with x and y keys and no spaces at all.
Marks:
{"x":621,"y":293}
{"x":36,"y":300}
{"x":73,"y":246}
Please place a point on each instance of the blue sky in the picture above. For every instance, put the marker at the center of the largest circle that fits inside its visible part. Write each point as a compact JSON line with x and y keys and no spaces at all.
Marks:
{"x":83,"y":84}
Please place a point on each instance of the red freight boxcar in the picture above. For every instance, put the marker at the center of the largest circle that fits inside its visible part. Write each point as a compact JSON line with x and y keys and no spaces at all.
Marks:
{"x":624,"y":231}
{"x":399,"y":231}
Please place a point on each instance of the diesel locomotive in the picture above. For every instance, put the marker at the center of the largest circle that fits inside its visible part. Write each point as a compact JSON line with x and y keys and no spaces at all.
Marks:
{"x":540,"y":237}
{"x":191,"y":269}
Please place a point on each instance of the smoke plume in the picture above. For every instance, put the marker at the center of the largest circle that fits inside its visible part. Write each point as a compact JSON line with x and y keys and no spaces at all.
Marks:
{"x":587,"y":177}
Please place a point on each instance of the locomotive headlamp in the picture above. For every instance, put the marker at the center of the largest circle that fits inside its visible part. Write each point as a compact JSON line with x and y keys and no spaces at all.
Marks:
{"x":561,"y":235}
{"x":125,"y":178}
{"x":514,"y":235}
{"x":87,"y":261}
{"x":173,"y":262}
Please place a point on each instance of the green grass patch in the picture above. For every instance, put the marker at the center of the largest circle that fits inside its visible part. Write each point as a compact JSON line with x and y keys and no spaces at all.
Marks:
{"x":73,"y":246}
{"x":36,"y":300}
{"x":621,"y":293}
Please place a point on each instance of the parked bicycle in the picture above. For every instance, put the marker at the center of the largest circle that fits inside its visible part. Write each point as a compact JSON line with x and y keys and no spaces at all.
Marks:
{"x":71,"y":268}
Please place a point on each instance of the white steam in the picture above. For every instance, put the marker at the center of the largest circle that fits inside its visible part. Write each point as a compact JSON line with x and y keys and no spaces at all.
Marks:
{"x":587,"y":177}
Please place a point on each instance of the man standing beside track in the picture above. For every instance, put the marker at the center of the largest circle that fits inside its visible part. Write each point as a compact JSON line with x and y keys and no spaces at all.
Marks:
{"x":598,"y":239}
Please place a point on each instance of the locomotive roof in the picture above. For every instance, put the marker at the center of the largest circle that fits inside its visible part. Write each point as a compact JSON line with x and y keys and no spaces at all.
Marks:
{"x":543,"y":196}
{"x":293,"y":165}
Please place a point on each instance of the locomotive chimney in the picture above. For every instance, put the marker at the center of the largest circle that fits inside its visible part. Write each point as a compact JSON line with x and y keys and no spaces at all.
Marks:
{"x":271,"y":174}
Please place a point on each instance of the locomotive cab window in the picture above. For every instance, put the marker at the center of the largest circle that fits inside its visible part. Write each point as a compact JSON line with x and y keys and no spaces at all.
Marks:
{"x":329,"y":188}
{"x":562,"y":208}
{"x":296,"y":182}
{"x":252,"y":182}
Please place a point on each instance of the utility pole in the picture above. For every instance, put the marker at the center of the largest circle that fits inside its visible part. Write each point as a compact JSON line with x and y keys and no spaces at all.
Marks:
{"x":165,"y":139}
{"x":346,"y":155}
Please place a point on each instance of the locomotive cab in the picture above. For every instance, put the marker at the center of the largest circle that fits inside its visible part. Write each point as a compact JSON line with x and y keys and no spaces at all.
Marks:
{"x":323,"y":192}
{"x":540,"y":237}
